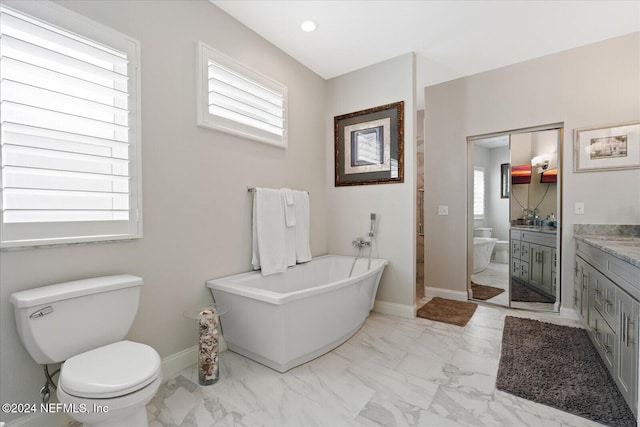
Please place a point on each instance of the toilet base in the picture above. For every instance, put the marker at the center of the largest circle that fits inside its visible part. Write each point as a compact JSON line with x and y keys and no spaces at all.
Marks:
{"x":501,"y":252}
{"x":501,"y":257}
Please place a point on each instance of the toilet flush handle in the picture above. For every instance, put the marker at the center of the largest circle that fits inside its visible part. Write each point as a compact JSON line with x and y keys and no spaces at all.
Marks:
{"x":42,"y":312}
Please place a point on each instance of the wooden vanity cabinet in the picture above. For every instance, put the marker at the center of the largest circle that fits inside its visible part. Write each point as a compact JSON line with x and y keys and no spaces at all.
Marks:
{"x":581,"y":289}
{"x":533,"y":259}
{"x":541,"y":260}
{"x":627,"y":351}
{"x":606,"y":292}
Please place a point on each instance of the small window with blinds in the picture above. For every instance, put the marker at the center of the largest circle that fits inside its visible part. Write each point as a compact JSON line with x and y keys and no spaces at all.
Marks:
{"x":478,"y":193}
{"x":235,"y":99}
{"x":69,"y":136}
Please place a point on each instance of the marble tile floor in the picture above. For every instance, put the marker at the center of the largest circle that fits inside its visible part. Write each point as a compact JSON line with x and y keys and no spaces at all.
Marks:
{"x":393,"y":372}
{"x":496,"y":275}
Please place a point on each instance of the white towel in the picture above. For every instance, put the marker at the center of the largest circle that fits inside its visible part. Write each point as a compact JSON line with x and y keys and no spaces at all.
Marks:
{"x":301,"y":203}
{"x":270,"y":252}
{"x":289,"y":209}
{"x":288,"y":204}
{"x":274,"y":244}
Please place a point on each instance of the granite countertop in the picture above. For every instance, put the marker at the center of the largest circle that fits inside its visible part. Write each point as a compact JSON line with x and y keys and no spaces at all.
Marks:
{"x":625,"y":245}
{"x":540,"y":229}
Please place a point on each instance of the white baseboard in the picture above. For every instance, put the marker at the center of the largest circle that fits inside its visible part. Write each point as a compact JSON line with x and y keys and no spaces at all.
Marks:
{"x":395,"y":309}
{"x":173,"y":364}
{"x":176,"y":362}
{"x":445,"y":293}
{"x":569,"y":313}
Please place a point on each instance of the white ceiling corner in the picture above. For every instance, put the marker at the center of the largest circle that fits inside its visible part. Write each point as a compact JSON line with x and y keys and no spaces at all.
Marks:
{"x":451,"y":39}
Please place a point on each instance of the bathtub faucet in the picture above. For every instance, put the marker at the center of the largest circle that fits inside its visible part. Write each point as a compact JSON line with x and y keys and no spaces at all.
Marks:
{"x":361,"y":243}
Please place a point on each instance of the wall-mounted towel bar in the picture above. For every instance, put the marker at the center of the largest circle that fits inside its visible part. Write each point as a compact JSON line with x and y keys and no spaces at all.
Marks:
{"x":252,"y":189}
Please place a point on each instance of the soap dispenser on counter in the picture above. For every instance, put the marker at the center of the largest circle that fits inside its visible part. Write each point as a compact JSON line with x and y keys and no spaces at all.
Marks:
{"x":552,"y":221}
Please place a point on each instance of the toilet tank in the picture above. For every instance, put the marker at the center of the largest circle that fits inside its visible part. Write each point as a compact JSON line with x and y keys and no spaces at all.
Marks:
{"x":59,"y":321}
{"x":482,"y":232}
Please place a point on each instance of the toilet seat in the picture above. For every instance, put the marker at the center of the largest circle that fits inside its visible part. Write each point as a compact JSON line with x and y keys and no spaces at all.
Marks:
{"x":110,"y":371}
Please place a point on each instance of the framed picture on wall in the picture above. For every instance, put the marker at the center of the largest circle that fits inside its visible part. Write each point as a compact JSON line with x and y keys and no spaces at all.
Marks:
{"x":369,"y":146}
{"x":610,"y":147}
{"x":504,"y":180}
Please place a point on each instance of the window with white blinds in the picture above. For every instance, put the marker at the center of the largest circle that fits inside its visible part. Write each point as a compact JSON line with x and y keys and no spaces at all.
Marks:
{"x":69,"y":135}
{"x":235,"y":99}
{"x":478,"y":192}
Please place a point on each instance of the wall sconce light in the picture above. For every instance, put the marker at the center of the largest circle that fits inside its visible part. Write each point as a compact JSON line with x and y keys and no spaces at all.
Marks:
{"x":545,"y":162}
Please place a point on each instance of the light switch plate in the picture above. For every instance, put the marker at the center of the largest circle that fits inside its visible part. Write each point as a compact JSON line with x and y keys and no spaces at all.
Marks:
{"x":443,"y":210}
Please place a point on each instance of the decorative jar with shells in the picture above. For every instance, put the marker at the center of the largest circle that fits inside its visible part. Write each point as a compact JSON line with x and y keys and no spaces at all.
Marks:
{"x":208,"y":333}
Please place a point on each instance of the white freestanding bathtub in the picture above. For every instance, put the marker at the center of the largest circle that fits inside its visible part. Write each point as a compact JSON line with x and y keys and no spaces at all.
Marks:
{"x":482,"y":250}
{"x":284,"y":320}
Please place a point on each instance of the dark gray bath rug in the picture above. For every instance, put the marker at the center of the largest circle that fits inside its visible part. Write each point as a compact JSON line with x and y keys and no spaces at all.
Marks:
{"x":523,"y":293}
{"x":559,"y":367}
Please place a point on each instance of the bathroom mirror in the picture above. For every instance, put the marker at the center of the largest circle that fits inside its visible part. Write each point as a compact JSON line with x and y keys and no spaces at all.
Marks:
{"x":534,"y":255}
{"x":516,"y":260}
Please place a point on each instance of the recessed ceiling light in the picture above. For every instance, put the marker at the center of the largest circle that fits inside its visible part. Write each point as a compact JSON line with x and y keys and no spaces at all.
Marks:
{"x":308,"y":26}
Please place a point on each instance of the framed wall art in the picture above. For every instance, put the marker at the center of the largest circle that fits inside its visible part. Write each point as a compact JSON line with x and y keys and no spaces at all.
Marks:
{"x":610,"y":147}
{"x":505,"y":180}
{"x":369,"y":146}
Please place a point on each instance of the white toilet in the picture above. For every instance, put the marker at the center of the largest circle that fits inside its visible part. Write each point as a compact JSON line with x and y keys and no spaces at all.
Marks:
{"x":501,"y":248}
{"x":482,"y":232}
{"x":501,"y":252}
{"x":82,"y":323}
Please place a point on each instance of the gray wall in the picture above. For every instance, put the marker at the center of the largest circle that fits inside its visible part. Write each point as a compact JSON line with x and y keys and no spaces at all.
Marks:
{"x":592,"y":85}
{"x":196,"y":207}
{"x":482,"y":159}
{"x":498,"y":207}
{"x":349,"y":207}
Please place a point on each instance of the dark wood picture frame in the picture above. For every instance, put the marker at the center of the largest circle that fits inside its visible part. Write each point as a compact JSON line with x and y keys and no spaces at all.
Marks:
{"x":369,"y":146}
{"x":505,"y":180}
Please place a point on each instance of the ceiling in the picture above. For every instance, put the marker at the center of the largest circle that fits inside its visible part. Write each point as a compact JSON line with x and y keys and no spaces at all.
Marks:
{"x":451,"y":39}
{"x":493,"y":142}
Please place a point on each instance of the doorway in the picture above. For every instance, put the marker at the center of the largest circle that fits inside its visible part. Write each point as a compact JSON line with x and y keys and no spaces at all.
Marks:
{"x":514,"y":219}
{"x":420,"y":208}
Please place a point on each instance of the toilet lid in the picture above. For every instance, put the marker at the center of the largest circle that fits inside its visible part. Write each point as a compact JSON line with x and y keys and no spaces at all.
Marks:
{"x":110,"y":371}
